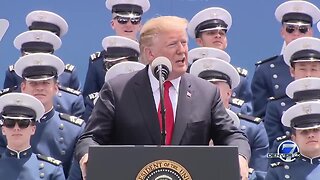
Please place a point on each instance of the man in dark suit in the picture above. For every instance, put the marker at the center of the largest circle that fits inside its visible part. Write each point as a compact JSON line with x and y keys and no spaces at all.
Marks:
{"x":126,"y":111}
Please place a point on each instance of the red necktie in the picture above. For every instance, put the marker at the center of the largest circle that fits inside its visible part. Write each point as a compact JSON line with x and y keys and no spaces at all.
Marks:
{"x":169,"y":113}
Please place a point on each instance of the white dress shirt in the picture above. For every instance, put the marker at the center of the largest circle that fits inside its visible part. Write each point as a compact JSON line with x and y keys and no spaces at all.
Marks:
{"x":173,"y":91}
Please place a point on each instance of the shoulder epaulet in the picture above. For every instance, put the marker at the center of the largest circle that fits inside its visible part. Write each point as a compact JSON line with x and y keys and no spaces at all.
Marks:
{"x":283,"y":138}
{"x":8,"y":90}
{"x":242,"y":72}
{"x":70,"y":90}
{"x":93,"y":96}
{"x":266,"y":60}
{"x":276,"y":98}
{"x":69,"y":67}
{"x":276,"y":164}
{"x":49,"y":159}
{"x":253,"y":119}
{"x":236,"y":101}
{"x":73,"y":119}
{"x":95,"y":55}
{"x":11,"y":68}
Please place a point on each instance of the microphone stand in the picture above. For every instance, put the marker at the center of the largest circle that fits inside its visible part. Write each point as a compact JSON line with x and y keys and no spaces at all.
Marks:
{"x":163,"y":110}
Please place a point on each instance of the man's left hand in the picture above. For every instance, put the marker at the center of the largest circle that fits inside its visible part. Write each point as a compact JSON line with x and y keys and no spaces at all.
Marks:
{"x":244,"y":168}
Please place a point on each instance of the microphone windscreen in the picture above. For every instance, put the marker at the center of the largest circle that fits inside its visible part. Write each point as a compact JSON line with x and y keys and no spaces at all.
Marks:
{"x":163,"y":61}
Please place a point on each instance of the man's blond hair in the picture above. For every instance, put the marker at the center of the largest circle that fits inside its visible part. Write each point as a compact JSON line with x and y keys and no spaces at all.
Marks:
{"x":155,"y":26}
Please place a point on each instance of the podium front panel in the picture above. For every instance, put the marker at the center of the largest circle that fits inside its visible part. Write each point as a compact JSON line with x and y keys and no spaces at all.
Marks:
{"x":163,"y":163}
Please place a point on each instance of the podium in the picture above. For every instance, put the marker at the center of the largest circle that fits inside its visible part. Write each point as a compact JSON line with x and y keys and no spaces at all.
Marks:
{"x":163,"y":163}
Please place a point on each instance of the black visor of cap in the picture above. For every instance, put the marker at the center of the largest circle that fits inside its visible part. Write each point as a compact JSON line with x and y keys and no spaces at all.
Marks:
{"x":212,"y":74}
{"x":116,"y":52}
{"x":211,"y":23}
{"x":45,"y":26}
{"x":37,"y":72}
{"x":294,"y":16}
{"x":35,"y":47}
{"x":306,"y":54}
{"x":305,"y":121}
{"x":18,"y":111}
{"x":306,"y":95}
{"x":125,"y":8}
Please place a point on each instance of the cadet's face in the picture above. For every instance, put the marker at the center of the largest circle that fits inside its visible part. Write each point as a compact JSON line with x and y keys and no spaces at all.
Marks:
{"x":214,"y":38}
{"x":308,"y":141}
{"x":225,"y":92}
{"x":18,"y":138}
{"x":305,"y":69}
{"x":172,"y":44}
{"x":42,"y":90}
{"x":295,"y":34}
{"x":127,"y":30}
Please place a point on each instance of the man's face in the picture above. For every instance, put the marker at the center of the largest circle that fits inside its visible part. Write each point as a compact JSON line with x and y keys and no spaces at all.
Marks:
{"x":42,"y":90}
{"x":172,"y":44}
{"x":305,"y":69}
{"x":18,"y":138}
{"x":308,"y":141}
{"x":213,"y":38}
{"x":126,"y":27}
{"x":291,"y":32}
{"x":225,"y":92}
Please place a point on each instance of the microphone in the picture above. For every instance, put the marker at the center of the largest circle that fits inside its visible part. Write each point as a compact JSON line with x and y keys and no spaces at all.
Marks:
{"x":161,"y":67}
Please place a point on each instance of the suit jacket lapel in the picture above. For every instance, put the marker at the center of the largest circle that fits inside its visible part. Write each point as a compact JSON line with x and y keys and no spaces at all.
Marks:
{"x":183,"y":110}
{"x":146,"y":104}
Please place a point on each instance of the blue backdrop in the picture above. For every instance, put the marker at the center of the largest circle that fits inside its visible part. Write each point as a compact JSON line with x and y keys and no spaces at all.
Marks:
{"x":254,"y":35}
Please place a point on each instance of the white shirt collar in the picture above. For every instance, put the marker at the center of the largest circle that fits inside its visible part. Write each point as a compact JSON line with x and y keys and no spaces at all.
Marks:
{"x":155,"y":83}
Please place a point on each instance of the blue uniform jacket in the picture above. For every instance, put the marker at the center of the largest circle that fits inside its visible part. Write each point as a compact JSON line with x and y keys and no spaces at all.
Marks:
{"x":56,"y":137}
{"x":270,"y":79}
{"x":272,"y":120}
{"x":29,"y":166}
{"x":69,"y":78}
{"x":303,"y":168}
{"x":69,"y":101}
{"x":240,"y":106}
{"x":89,"y":104}
{"x":258,"y":141}
{"x":243,"y":90}
{"x":95,"y":74}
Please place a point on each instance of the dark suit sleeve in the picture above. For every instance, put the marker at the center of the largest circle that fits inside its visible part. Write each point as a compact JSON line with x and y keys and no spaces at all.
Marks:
{"x":100,"y":124}
{"x":223,"y":131}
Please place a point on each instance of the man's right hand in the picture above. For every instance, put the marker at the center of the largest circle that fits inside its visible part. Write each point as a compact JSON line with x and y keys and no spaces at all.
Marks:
{"x":83,"y":165}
